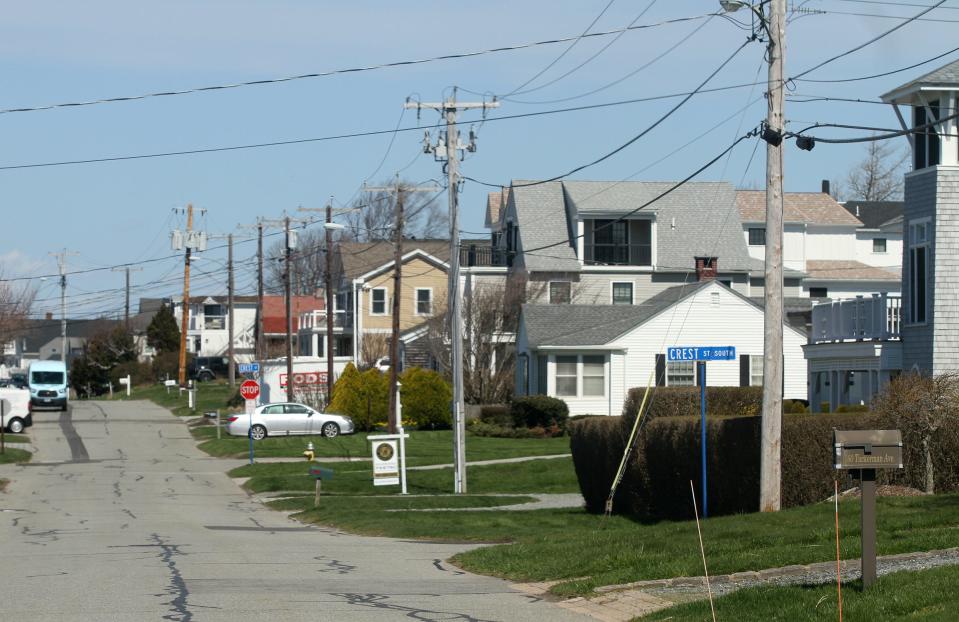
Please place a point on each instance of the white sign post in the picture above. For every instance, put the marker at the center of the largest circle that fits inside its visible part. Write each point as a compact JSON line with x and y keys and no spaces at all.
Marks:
{"x":389,"y":460}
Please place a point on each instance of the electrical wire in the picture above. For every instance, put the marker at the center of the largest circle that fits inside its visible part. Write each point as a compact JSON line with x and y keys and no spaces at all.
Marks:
{"x":880,"y":75}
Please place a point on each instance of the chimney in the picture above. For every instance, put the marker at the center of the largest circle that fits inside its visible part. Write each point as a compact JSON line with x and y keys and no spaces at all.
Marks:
{"x":49,"y":315}
{"x":825,"y":186}
{"x":706,"y":268}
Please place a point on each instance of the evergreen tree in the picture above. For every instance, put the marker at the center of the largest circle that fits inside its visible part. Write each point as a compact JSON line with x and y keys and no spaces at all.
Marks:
{"x":163,"y":333}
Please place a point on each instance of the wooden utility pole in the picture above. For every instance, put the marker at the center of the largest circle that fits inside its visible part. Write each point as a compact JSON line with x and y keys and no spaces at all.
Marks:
{"x":449,"y":109}
{"x":126,"y":306}
{"x":770,"y":480}
{"x":230,"y":293}
{"x":185,"y":319}
{"x":62,"y":264}
{"x":289,"y":310}
{"x":330,"y":302}
{"x":260,"y":354}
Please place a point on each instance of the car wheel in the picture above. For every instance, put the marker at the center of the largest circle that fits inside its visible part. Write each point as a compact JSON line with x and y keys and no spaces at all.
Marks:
{"x":206,"y":377}
{"x":330,"y":429}
{"x":258,"y":432}
{"x":16,"y":426}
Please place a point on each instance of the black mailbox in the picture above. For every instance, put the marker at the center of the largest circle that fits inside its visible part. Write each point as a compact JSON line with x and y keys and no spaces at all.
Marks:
{"x":867,"y":449}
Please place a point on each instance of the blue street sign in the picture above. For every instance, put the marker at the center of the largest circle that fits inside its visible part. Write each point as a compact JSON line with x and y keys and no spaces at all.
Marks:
{"x":702,"y":353}
{"x":249,"y":368}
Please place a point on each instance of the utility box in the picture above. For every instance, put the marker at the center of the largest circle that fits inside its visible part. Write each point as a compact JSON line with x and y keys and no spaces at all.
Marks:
{"x":867,"y":449}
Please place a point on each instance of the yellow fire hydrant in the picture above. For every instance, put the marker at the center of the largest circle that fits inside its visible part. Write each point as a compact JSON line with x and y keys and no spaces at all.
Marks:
{"x":309,"y":454}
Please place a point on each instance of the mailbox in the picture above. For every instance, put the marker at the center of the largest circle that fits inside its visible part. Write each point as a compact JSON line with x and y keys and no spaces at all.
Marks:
{"x":867,"y":449}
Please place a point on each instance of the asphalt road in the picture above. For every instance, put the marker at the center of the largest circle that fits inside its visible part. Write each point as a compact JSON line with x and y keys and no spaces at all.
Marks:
{"x":120,"y":517}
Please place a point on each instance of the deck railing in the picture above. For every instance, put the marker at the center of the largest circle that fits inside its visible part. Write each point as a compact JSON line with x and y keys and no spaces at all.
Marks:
{"x":863,"y":318}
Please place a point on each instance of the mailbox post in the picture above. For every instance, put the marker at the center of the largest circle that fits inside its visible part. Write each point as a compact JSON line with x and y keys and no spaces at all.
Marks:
{"x":862,"y":452}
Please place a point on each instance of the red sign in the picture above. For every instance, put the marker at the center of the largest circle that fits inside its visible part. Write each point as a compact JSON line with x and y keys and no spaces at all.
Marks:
{"x":305,"y":378}
{"x":250,"y":389}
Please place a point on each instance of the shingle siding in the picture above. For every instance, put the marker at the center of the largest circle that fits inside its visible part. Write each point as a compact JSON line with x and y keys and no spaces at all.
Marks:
{"x":918,"y":339}
{"x":945,"y":333}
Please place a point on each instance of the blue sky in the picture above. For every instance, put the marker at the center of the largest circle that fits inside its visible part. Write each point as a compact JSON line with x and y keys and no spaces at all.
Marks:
{"x":110,"y":213}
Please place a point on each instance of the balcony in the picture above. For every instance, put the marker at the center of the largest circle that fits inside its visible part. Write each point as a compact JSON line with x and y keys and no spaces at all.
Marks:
{"x":316,"y":320}
{"x":618,"y":254}
{"x":876,"y":318}
{"x":484,"y":256}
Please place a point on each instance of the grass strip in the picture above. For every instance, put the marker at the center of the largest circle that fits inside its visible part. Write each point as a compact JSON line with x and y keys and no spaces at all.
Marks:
{"x":209,"y":396}
{"x":914,"y":595}
{"x":11,"y":455}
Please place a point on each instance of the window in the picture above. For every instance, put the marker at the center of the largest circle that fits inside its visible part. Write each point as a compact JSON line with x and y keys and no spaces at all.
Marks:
{"x":618,"y":242}
{"x":622,"y":293}
{"x":342,"y":345}
{"x":755,"y":371}
{"x":819,"y":292}
{"x":919,"y":235}
{"x":541,"y":365}
{"x":879,"y":245}
{"x":378,"y":301}
{"x":296,"y":409}
{"x":757,"y":236}
{"x":424,"y":301}
{"x":594,"y":375}
{"x":926,"y":151}
{"x":214,"y":317}
{"x":560,"y":292}
{"x":566,"y":375}
{"x":681,"y":373}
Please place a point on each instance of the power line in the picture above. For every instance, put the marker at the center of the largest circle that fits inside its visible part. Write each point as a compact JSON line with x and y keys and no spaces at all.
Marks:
{"x":909,"y":4}
{"x":881,"y":16}
{"x":883,"y":74}
{"x":323,"y":74}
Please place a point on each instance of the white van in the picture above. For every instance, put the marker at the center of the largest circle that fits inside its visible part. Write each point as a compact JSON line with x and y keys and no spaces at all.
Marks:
{"x":18,"y":416}
{"x":49,"y":385}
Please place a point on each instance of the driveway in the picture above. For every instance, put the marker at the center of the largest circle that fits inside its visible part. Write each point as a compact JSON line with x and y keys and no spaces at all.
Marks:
{"x":120,"y":517}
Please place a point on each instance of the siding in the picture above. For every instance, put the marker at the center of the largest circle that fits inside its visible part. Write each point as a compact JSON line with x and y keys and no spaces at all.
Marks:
{"x":946,"y":272}
{"x":920,"y":202}
{"x":417,"y":273}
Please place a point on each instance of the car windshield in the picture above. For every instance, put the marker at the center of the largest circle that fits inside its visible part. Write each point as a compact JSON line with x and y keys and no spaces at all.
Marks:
{"x":47,"y":377}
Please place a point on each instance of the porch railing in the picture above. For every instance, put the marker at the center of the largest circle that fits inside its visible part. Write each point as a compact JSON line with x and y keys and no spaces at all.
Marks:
{"x":863,"y":318}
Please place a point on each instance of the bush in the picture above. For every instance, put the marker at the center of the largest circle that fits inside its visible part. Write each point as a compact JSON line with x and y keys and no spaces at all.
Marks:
{"x":539,"y":411}
{"x":166,"y":365}
{"x":666,"y":458}
{"x":496,"y":415}
{"x":362,"y":397}
{"x":140,"y":373}
{"x":426,"y":399}
{"x":480,"y":428}
{"x":684,"y":402}
{"x":794,"y":407}
{"x":852,"y":408}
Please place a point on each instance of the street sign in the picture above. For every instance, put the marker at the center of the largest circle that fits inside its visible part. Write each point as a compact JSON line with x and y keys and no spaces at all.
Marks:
{"x":250,"y":389}
{"x":249,"y":368}
{"x":701,"y":353}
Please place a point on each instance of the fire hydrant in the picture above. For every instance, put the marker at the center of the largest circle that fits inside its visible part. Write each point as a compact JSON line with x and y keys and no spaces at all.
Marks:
{"x":309,"y":454}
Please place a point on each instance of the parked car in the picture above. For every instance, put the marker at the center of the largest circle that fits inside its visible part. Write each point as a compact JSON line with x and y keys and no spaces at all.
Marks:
{"x":206,"y":368}
{"x":286,"y":419}
{"x":19,"y":415}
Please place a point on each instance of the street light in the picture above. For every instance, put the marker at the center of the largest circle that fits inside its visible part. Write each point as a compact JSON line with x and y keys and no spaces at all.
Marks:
{"x":731,"y":6}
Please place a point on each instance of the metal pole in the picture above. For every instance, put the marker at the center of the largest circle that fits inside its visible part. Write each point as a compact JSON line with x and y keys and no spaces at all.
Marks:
{"x":770,"y":489}
{"x":185,"y":319}
{"x":330,"y":305}
{"x":289,"y":316}
{"x":868,"y":526}
{"x":702,"y":439}
{"x":230,"y":286}
{"x":397,"y":284}
{"x":453,"y":304}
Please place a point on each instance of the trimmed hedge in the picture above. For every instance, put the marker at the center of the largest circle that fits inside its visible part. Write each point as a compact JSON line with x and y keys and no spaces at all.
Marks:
{"x":656,"y":482}
{"x":684,"y":402}
{"x":539,"y":411}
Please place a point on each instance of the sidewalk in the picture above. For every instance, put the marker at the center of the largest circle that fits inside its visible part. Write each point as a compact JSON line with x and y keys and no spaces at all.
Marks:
{"x":620,"y":603}
{"x":428,"y":467}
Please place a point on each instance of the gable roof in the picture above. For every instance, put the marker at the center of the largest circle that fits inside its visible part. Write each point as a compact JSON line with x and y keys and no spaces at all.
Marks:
{"x":811,"y":208}
{"x":359,"y":258}
{"x":946,"y":76}
{"x":843,"y":270}
{"x":875,"y":214}
{"x":495,"y":201}
{"x":695,"y":219}
{"x":38,"y":333}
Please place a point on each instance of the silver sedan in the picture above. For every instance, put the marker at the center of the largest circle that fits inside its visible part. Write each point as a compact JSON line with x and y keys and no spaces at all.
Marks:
{"x":287,"y":419}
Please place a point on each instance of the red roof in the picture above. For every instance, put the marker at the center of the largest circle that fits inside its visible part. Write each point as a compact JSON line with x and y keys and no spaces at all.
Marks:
{"x":274,"y":311}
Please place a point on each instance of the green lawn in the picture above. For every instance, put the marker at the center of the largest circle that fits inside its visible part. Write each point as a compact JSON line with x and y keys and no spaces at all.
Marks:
{"x":210,"y":396}
{"x":917,"y":595}
{"x":16,"y":438}
{"x":15,"y":455}
{"x":422,"y":447}
{"x":356,"y":478}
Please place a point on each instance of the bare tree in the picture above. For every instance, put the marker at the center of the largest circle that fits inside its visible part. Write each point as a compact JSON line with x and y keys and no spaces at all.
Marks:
{"x":374,"y":213}
{"x":15,"y":305}
{"x":308,"y":261}
{"x":878,"y":177}
{"x":374,"y":346}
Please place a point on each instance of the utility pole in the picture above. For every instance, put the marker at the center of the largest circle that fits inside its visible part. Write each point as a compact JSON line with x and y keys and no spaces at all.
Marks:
{"x":448,"y":109}
{"x":185,"y":319}
{"x":62,"y":265}
{"x":770,"y":480}
{"x":400,"y":190}
{"x":230,"y":293}
{"x":126,"y":306}
{"x":287,"y":273}
{"x":260,"y":354}
{"x":330,"y":299}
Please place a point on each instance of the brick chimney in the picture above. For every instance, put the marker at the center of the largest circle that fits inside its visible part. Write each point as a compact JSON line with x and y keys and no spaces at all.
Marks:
{"x":49,"y":315}
{"x":825,"y":186}
{"x":706,"y":268}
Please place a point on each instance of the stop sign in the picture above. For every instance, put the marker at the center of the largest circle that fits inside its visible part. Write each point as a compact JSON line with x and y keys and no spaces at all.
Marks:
{"x":250,"y":389}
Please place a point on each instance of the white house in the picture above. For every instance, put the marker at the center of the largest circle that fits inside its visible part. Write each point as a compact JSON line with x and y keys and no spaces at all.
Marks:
{"x":591,"y":355}
{"x":208,"y":325}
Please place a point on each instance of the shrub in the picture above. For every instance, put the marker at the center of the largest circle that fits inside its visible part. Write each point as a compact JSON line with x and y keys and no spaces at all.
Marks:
{"x":140,"y":373}
{"x":480,"y":428}
{"x":166,"y":365}
{"x":426,"y":399}
{"x":794,"y":407}
{"x":824,"y":407}
{"x":496,"y":414}
{"x":362,"y":397}
{"x":684,"y":402}
{"x":542,"y":411}
{"x":852,"y":408}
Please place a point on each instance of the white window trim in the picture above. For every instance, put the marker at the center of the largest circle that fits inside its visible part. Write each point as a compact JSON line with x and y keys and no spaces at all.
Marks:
{"x":554,"y":366}
{"x":416,"y":301}
{"x":632,"y":290}
{"x":386,"y":301}
{"x":886,"y":244}
{"x":671,"y":363}
{"x":551,"y":366}
{"x":549,"y":291}
{"x":753,"y":360}
{"x":925,"y":222}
